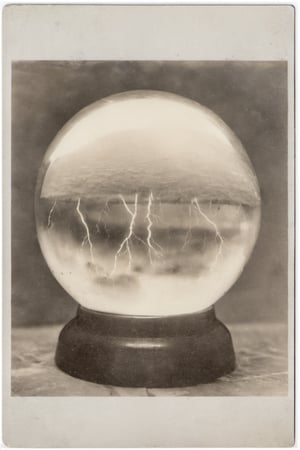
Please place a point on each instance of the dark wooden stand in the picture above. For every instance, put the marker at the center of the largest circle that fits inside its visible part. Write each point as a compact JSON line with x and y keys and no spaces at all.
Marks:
{"x":153,"y":352}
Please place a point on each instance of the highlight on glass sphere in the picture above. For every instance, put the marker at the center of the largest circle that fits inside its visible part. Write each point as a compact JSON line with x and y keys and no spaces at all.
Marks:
{"x":147,"y":204}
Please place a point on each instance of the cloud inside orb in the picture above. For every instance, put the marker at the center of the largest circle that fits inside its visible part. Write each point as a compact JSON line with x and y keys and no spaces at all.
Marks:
{"x":149,"y":141}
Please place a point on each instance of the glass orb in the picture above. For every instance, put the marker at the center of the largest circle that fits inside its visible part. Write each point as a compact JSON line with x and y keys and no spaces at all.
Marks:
{"x":147,"y":204}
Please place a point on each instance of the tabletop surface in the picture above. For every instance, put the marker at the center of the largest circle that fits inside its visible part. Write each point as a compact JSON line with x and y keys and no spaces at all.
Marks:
{"x":261,"y":353}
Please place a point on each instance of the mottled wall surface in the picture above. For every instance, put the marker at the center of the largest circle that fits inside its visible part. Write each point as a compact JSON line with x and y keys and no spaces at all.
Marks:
{"x":251,"y":97}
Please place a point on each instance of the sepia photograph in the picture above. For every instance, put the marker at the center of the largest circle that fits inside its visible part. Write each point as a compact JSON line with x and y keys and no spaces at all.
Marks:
{"x":148,"y":226}
{"x":148,"y":219}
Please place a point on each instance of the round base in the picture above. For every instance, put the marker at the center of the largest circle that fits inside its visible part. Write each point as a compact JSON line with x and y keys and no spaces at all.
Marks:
{"x":153,"y":352}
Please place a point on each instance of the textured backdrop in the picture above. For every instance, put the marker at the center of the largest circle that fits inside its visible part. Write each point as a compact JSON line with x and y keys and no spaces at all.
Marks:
{"x":251,"y":97}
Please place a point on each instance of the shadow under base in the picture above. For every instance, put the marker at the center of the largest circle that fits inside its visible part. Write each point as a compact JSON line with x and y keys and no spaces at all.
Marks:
{"x":141,"y":351}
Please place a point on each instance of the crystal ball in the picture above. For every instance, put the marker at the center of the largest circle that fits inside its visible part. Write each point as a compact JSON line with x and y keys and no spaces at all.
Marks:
{"x":146,"y":204}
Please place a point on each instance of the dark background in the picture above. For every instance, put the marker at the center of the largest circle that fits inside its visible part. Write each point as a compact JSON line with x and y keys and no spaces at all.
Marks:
{"x":251,"y":97}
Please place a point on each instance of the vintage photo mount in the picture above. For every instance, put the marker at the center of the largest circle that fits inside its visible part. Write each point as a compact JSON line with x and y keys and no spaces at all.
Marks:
{"x":272,"y":418}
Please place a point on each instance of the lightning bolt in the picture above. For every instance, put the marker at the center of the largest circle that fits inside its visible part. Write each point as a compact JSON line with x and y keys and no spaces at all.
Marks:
{"x":139,"y":239}
{"x":218,"y":235}
{"x":87,"y":236}
{"x":150,"y":240}
{"x":83,"y":241}
{"x":188,"y":235}
{"x":125,"y":242}
{"x":156,"y":216}
{"x":103,"y":212}
{"x":50,"y":214}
